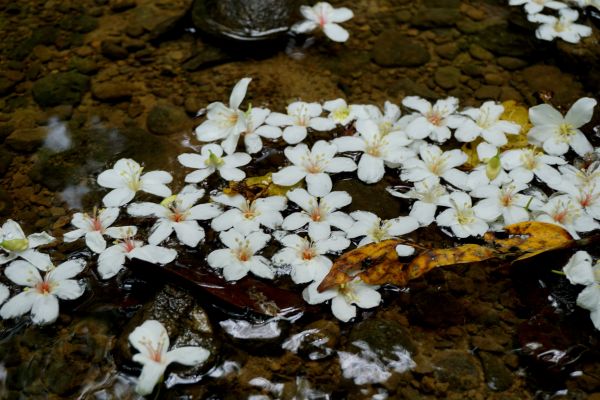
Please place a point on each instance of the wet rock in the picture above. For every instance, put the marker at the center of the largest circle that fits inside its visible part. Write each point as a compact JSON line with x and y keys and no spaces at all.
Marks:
{"x":245,"y":20}
{"x":564,"y":87}
{"x":488,"y":92}
{"x":480,"y":53}
{"x":5,"y":204}
{"x":435,"y":308}
{"x":5,"y":131}
{"x":167,"y":119}
{"x":85,"y":65}
{"x":447,"y":77}
{"x":407,"y":87}
{"x":502,"y":41}
{"x":393,"y":49}
{"x":384,"y":337}
{"x":45,"y":35}
{"x":497,"y":376}
{"x":26,"y":140}
{"x":206,"y":58}
{"x":6,"y":158}
{"x":113,"y":50}
{"x":261,"y":337}
{"x":60,"y":88}
{"x":318,"y":340}
{"x":112,"y":91}
{"x":80,"y":23}
{"x":121,"y":5}
{"x":459,"y":369}
{"x":441,"y":3}
{"x":436,"y":17}
{"x":448,"y":51}
{"x":156,"y":18}
{"x":511,"y":63}
{"x":6,"y":85}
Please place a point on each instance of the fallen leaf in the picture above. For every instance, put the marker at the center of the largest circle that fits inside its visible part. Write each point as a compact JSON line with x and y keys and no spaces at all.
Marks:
{"x":255,"y":187}
{"x":434,"y":258}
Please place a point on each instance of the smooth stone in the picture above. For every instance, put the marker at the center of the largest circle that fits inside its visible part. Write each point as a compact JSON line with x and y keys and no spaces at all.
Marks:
{"x":384,"y":337}
{"x":435,"y":17}
{"x":480,"y":53}
{"x":457,"y":368}
{"x":407,"y":87}
{"x":511,"y":63}
{"x":167,"y":119}
{"x":488,"y":92}
{"x":498,"y":377}
{"x":27,"y":140}
{"x":60,"y":88}
{"x":113,"y":50}
{"x":6,"y":158}
{"x":447,"y":77}
{"x":448,"y":51}
{"x":112,"y":91}
{"x":437,"y":309}
{"x":393,"y":49}
{"x":565,"y":87}
{"x":502,"y":41}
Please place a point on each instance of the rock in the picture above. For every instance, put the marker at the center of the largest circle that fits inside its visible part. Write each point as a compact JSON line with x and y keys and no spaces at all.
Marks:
{"x":248,"y":20}
{"x":510,"y":93}
{"x":27,"y":140}
{"x":258,"y":337}
{"x":60,"y":88}
{"x":435,"y":17}
{"x":497,"y":376}
{"x":5,"y":202}
{"x":112,"y":91}
{"x":564,"y":87}
{"x":121,"y":5}
{"x":5,"y":131}
{"x":441,"y":3}
{"x":384,"y":337}
{"x":502,"y":41}
{"x":511,"y":63}
{"x":406,"y":87}
{"x":156,"y":18}
{"x":494,"y":79}
{"x":6,"y":158}
{"x":448,"y":51}
{"x":393,"y":49}
{"x":447,"y":77}
{"x":459,"y":369}
{"x":317,"y":341}
{"x":85,"y":65}
{"x":206,"y":58}
{"x":434,"y":308}
{"x":480,"y":53}
{"x":488,"y":92}
{"x":167,"y":119}
{"x":6,"y":86}
{"x":113,"y":50}
{"x":80,"y":23}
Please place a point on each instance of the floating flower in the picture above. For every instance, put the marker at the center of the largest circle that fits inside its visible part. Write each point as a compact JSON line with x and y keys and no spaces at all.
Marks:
{"x":253,"y":131}
{"x":433,"y":120}
{"x":376,"y":230}
{"x":579,"y":271}
{"x":341,"y":113}
{"x":15,"y":244}
{"x":429,"y":195}
{"x":152,"y":342}
{"x":319,"y":214}
{"x":556,"y":133}
{"x":223,"y":121}
{"x":247,"y":216}
{"x":506,"y":201}
{"x":377,"y":149}
{"x":322,"y":15}
{"x":177,"y":213}
{"x":126,"y":179}
{"x":94,"y":226}
{"x":111,"y":260}
{"x":299,"y":117}
{"x":564,"y":211}
{"x":343,"y":297}
{"x":314,"y":166}
{"x":211,"y":159}
{"x":524,"y":164}
{"x":4,"y":293}
{"x":306,"y":257}
{"x":41,"y":294}
{"x":434,"y":162}
{"x":463,"y":218}
{"x":240,"y":257}
{"x":387,"y":121}
{"x":563,"y":27}
{"x":536,"y":6}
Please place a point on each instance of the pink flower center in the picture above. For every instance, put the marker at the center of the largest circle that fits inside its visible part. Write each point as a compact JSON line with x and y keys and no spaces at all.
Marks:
{"x":308,"y":254}
{"x":43,"y":287}
{"x":128,"y":245}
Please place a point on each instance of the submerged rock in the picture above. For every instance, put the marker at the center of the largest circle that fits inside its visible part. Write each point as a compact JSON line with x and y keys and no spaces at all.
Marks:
{"x":457,"y":368}
{"x":498,"y":377}
{"x":393,"y":49}
{"x":60,"y":88}
{"x":385,"y":337}
{"x":26,"y":140}
{"x":167,"y":119}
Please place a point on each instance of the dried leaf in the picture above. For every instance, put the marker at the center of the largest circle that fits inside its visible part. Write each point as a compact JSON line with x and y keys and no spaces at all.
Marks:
{"x":431,"y":259}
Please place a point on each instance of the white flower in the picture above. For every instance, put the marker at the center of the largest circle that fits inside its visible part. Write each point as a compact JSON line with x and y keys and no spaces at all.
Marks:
{"x":488,"y":174}
{"x":320,"y":215}
{"x":535,"y":6}
{"x":583,"y":178}
{"x":247,"y":216}
{"x":563,"y":27}
{"x":94,"y":227}
{"x":299,"y":117}
{"x":240,"y":256}
{"x":341,"y":113}
{"x":111,"y":260}
{"x":375,"y":230}
{"x":344,"y":297}
{"x":306,"y":257}
{"x":579,"y":271}
{"x":485,"y":122}
{"x":210,"y":160}
{"x":434,"y":162}
{"x":4,"y":293}
{"x":253,"y":131}
{"x":314,"y":165}
{"x":464,"y":219}
{"x":14,"y":242}
{"x":556,"y":133}
{"x":564,"y":211}
{"x":505,"y":201}
{"x":223,"y":121}
{"x":587,"y":195}
{"x":41,"y":294}
{"x":126,"y":179}
{"x":387,"y":121}
{"x":587,"y":3}
{"x":377,"y":149}
{"x":322,"y":15}
{"x":429,"y":195}
{"x":434,"y":119}
{"x":152,"y":342}
{"x":524,"y":164}
{"x":177,"y":213}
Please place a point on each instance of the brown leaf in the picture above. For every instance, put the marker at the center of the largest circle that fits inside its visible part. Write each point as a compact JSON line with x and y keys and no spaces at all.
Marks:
{"x":431,"y":259}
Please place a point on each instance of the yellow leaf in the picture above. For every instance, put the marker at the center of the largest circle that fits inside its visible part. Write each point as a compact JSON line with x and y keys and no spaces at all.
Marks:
{"x":258,"y":186}
{"x":434,"y":258}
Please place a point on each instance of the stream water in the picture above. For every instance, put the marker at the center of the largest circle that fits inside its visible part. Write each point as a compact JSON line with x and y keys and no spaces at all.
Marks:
{"x":84,"y":83}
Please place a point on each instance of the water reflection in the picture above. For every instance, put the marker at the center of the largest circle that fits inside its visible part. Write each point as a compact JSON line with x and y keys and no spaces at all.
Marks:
{"x":73,"y":195}
{"x":58,"y":138}
{"x":241,"y":329}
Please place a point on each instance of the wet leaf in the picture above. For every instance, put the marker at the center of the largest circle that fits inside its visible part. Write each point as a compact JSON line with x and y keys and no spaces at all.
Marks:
{"x":258,"y":186}
{"x":434,"y":258}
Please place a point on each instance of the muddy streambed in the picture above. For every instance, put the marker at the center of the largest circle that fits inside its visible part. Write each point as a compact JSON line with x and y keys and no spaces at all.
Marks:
{"x":125,"y":78}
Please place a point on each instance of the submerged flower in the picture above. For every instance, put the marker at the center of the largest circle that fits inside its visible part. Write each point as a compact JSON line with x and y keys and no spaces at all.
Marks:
{"x":223,"y":121}
{"x":434,"y":162}
{"x":556,"y":133}
{"x":94,"y":227}
{"x":152,"y":342}
{"x":429,"y":194}
{"x":579,"y":271}
{"x":563,"y":27}
{"x":322,"y":15}
{"x":464,"y":219}
{"x":377,"y":149}
{"x":524,"y":164}
{"x":15,"y":244}
{"x":126,"y":179}
{"x":535,"y":6}
{"x":177,"y":213}
{"x":314,"y":165}
{"x":433,"y":119}
{"x":344,"y":297}
{"x":111,"y":260}
{"x":41,"y":295}
{"x":211,"y":159}
{"x":240,"y":257}
{"x":375,"y":230}
{"x":320,"y":215}
{"x":299,"y":117}
{"x":306,"y":256}
{"x":247,"y":216}
{"x":564,"y":211}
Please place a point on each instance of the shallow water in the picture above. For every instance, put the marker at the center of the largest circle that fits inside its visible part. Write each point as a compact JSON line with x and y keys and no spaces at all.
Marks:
{"x":477,"y":331}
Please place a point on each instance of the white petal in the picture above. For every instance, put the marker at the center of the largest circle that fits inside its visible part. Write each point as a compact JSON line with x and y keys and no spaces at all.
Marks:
{"x":118,"y":197}
{"x":188,"y":355}
{"x":67,"y":270}
{"x":153,"y":254}
{"x":44,"y":309}
{"x":161,"y":230}
{"x":370,"y":169}
{"x":23,"y":273}
{"x":238,"y":93}
{"x":342,"y":310}
{"x":18,"y":305}
{"x":294,"y":134}
{"x":288,"y":176}
{"x":545,"y":114}
{"x":111,"y":261}
{"x":579,"y":269}
{"x":404,"y":251}
{"x":318,"y":184}
{"x":581,"y":112}
{"x":68,"y":289}
{"x":95,"y":242}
